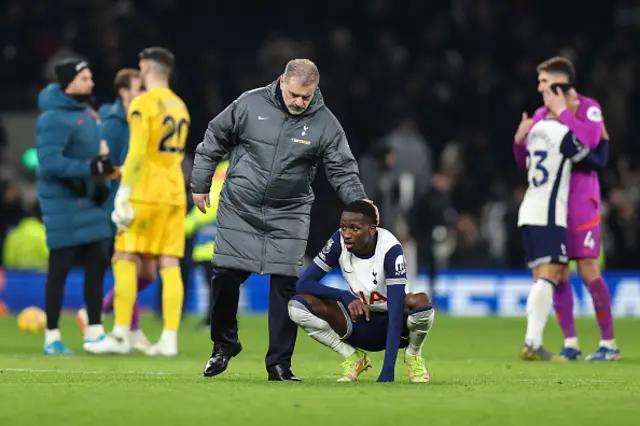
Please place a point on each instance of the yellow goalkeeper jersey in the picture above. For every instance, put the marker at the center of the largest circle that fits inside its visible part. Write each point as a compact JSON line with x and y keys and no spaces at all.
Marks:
{"x":158,"y":128}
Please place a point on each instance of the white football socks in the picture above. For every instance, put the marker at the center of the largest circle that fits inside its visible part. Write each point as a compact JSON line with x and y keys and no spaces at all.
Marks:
{"x":318,"y":329}
{"x":419,"y":325}
{"x":93,"y":332}
{"x":121,"y":331}
{"x":169,"y":337}
{"x":538,"y":310}
{"x":571,"y":342}
{"x":51,"y":336}
{"x":609,"y":344}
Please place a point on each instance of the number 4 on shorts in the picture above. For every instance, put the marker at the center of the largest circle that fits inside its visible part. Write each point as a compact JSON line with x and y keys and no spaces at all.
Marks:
{"x":589,"y":241}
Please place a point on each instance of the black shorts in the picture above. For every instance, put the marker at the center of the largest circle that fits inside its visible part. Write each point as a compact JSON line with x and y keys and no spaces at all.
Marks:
{"x":544,"y":245}
{"x":371,"y":335}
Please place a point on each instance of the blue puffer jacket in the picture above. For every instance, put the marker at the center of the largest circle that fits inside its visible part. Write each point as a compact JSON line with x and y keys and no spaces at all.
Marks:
{"x":104,"y":110}
{"x":67,"y":139}
{"x":114,"y":129}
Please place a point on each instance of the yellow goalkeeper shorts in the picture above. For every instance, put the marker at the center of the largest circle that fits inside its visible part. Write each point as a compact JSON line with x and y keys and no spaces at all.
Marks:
{"x":157,"y":230}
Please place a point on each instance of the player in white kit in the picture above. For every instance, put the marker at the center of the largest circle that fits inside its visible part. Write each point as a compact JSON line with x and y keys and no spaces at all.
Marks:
{"x":376,"y":314}
{"x":551,"y":150}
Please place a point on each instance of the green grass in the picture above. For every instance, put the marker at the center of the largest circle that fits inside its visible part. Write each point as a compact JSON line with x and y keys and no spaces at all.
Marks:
{"x":477,"y":379}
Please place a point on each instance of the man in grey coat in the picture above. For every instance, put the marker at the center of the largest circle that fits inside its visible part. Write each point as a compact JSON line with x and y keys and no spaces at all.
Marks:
{"x":275,"y":135}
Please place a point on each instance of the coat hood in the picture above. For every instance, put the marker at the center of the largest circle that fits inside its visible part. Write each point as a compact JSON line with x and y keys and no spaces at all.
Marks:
{"x":104,"y":109}
{"x":52,"y":97}
{"x":115,"y":110}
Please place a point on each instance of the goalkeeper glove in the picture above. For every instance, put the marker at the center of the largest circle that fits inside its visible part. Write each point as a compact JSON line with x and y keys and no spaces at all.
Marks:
{"x":123,"y":213}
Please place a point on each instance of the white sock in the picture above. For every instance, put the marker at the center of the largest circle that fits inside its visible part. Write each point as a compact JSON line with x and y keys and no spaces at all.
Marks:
{"x":571,"y":342}
{"x":609,"y":344}
{"x":93,"y":332}
{"x":137,"y":333}
{"x":169,"y":337}
{"x":538,"y":310}
{"x":121,"y":331}
{"x":419,"y":325}
{"x":318,"y":329}
{"x":51,"y":336}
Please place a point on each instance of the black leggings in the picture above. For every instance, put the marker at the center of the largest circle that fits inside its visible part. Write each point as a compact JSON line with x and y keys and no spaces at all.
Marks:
{"x":94,"y":259}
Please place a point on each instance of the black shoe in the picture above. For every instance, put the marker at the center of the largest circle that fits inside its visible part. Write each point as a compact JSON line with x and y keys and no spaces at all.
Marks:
{"x":220,"y":357}
{"x":282,"y":374}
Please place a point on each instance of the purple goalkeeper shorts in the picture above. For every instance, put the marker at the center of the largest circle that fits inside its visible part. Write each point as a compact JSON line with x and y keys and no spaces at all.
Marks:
{"x":583,"y":233}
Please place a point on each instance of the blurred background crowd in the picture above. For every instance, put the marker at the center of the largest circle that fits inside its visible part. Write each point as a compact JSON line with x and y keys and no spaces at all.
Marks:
{"x":429,"y":93}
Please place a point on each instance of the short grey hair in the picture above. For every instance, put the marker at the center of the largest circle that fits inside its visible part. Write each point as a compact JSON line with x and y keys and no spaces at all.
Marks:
{"x":302,"y":69}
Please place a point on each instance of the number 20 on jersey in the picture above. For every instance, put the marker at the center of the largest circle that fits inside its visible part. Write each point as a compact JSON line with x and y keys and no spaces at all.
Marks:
{"x":175,"y":136}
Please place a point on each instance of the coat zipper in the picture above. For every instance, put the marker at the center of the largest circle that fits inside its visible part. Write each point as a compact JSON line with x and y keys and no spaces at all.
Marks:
{"x":266,"y":191}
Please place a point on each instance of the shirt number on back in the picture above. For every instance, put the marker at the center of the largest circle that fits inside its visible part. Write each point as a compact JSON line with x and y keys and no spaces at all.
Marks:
{"x":538,"y":158}
{"x":175,"y":135}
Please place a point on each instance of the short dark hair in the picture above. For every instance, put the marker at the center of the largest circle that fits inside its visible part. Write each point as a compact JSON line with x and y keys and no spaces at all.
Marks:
{"x":161,"y":55}
{"x":365,"y":208}
{"x":559,"y":65}
{"x":124,"y":77}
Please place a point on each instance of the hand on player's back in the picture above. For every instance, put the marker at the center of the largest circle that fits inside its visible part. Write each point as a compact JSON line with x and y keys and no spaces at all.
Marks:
{"x":605,"y":134}
{"x":357,"y":308}
{"x":523,"y":128}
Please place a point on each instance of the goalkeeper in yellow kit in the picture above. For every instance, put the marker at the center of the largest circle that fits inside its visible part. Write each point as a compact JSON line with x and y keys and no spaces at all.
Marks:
{"x":150,"y":205}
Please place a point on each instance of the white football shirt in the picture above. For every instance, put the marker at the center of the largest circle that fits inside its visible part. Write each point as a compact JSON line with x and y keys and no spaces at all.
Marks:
{"x":549,"y":176}
{"x":369,"y":277}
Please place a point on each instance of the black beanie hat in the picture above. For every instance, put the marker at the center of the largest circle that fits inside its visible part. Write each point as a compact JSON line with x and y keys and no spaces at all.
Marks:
{"x":67,"y":69}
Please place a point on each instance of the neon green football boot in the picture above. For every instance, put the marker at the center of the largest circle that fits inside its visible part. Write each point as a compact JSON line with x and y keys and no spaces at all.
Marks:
{"x":353,"y":366}
{"x":417,"y":370}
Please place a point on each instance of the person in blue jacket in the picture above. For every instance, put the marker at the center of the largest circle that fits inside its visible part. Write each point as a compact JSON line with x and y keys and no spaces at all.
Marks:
{"x":72,"y":190}
{"x":104,"y":109}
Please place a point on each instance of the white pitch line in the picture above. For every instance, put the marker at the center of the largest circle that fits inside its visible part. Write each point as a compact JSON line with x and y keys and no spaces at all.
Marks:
{"x":138,"y":373}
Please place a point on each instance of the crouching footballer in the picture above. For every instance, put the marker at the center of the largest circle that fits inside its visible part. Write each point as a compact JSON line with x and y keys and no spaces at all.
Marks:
{"x":376,"y":314}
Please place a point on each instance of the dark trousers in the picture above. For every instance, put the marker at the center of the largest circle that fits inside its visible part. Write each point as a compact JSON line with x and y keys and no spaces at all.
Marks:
{"x":94,"y":259}
{"x":225,"y":291}
{"x":207,"y":266}
{"x":186,"y":266}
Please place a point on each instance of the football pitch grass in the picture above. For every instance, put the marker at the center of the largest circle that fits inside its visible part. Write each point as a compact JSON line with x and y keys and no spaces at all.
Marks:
{"x":477,"y":379}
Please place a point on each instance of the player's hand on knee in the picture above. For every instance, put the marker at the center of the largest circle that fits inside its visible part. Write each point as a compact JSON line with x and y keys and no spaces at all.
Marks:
{"x":358,"y":308}
{"x":202,"y":201}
